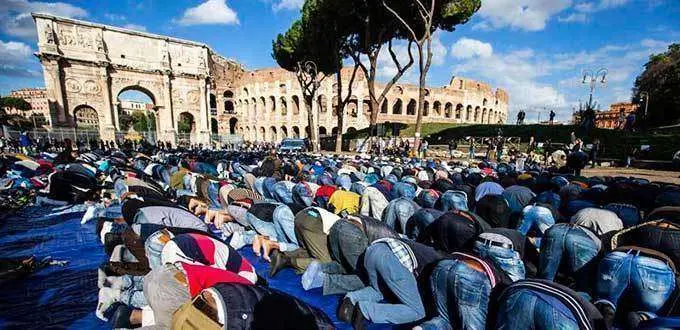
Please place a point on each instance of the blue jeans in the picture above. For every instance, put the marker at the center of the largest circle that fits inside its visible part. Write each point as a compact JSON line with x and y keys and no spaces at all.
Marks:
{"x":629,"y":214}
{"x":461,"y":293}
{"x":385,"y":272}
{"x":528,"y":309}
{"x":397,"y":213}
{"x":281,"y":229}
{"x":132,"y":291}
{"x":566,"y":245}
{"x":649,"y":281}
{"x":420,"y":220}
{"x":153,"y":248}
{"x":507,"y":259}
{"x":535,"y":218}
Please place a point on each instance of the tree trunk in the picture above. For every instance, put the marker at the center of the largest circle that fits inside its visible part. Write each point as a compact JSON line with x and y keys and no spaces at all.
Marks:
{"x":313,"y":132}
{"x":340,"y":111}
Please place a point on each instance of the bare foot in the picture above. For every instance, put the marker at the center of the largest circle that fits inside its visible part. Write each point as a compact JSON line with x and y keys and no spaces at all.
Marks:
{"x":268,"y":247}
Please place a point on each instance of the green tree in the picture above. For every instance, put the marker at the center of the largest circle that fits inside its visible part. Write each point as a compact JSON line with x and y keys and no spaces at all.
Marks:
{"x":661,"y":82}
{"x":420,"y":19}
{"x":125,"y":121}
{"x":184,"y":124}
{"x":14,"y":103}
{"x":141,"y":122}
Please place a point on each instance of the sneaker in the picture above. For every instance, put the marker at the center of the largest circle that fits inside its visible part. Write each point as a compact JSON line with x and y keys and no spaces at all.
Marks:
{"x":107,"y":296}
{"x":313,"y":277}
{"x":237,"y":241}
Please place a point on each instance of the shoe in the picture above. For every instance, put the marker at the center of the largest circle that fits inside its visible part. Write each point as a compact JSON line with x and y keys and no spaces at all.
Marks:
{"x":121,"y":317}
{"x":313,"y":277}
{"x":358,"y":319}
{"x":346,"y":310}
{"x":279,"y":261}
{"x":237,"y":241}
{"x":107,"y":296}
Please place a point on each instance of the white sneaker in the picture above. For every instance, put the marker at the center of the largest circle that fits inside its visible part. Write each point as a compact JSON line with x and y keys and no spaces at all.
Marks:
{"x":237,"y":240}
{"x":107,"y":296}
{"x":313,"y":277}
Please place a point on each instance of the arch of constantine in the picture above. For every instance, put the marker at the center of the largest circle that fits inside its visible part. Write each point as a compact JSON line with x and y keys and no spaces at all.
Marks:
{"x":87,"y":66}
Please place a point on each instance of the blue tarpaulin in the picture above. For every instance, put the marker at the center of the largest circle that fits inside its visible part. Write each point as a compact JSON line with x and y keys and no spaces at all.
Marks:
{"x":66,"y":296}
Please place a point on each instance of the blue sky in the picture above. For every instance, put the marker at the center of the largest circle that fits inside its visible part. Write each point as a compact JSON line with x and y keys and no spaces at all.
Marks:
{"x":535,"y":49}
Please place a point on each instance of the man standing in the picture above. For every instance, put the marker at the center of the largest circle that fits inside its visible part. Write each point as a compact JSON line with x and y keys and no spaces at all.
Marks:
{"x":453,"y":145}
{"x":552,"y":117}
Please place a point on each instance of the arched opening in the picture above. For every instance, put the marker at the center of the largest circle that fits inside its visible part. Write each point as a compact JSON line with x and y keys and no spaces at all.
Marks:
{"x":477,"y":111}
{"x":229,"y":107}
{"x":284,"y":106}
{"x":353,"y":107}
{"x":272,"y":134}
{"x":296,"y":105}
{"x":322,"y":131}
{"x":322,"y":103}
{"x":296,"y":132}
{"x":262,"y":135}
{"x":186,"y":124}
{"x":468,"y":113}
{"x":459,"y":110}
{"x":335,"y":106}
{"x":437,"y":107}
{"x":135,"y":110}
{"x":232,"y":125}
{"x":483,"y":115}
{"x":263,"y":104}
{"x":284,"y":132}
{"x":411,"y":108}
{"x":484,"y":102}
{"x":351,"y":130}
{"x":86,"y":117}
{"x":308,"y":132}
{"x":426,"y":108}
{"x":397,"y":107}
{"x":213,"y":105}
{"x":213,"y":126}
{"x":366,"y":105}
{"x":448,"y":110}
{"x":272,"y":104}
{"x":247,"y":134}
{"x":228,"y":94}
{"x":334,"y":131}
{"x":383,"y":107}
{"x":253,"y":104}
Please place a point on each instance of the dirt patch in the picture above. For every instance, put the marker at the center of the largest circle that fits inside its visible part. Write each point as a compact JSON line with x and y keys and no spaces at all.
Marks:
{"x":660,"y":176}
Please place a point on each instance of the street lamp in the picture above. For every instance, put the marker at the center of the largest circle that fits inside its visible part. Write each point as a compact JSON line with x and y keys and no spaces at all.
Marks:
{"x":646,"y":96}
{"x":592,"y":78}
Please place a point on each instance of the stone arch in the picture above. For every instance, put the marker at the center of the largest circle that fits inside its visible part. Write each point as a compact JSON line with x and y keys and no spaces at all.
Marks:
{"x":468,"y":113}
{"x":411,"y":108}
{"x":448,"y":110}
{"x":273,"y":134}
{"x":296,"y":105}
{"x":86,"y":116}
{"x":232,"y":125}
{"x":437,"y":107}
{"x":213,"y":104}
{"x":426,"y":108}
{"x":263,"y":104}
{"x":187,"y":123}
{"x":351,"y":129}
{"x":383,"y":106}
{"x":366,"y":105}
{"x":484,"y":102}
{"x":247,"y":133}
{"x":272,"y":104}
{"x":284,"y":132}
{"x":397,"y":108}
{"x":459,"y":111}
{"x":322,"y":103}
{"x":492,"y":116}
{"x":483,"y":115}
{"x":132,"y":96}
{"x":284,"y":106}
{"x":477,"y":110}
{"x":335,"y":106}
{"x":262,"y":136}
{"x":322,"y":131}
{"x":229,"y":106}
{"x":334,"y":131}
{"x":353,"y":107}
{"x":253,"y":105}
{"x":228,"y":94}
{"x":296,"y":132}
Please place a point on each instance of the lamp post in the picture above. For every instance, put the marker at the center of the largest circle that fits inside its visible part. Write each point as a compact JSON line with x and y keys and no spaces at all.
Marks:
{"x":646,"y":96}
{"x":592,"y":78}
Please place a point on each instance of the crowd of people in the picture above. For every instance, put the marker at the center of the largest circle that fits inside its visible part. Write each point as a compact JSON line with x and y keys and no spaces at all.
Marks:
{"x":406,"y":241}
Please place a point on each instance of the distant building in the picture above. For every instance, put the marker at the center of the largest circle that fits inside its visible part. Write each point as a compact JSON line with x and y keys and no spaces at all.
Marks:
{"x":615,"y":116}
{"x":40,"y":107}
{"x":128,"y":107}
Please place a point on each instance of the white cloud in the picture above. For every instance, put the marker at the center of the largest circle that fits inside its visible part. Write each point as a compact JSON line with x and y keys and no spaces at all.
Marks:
{"x":387,"y":69}
{"x":210,"y":12}
{"x":14,"y":58}
{"x":574,"y":17}
{"x":135,"y":27}
{"x":466,"y":48}
{"x":529,"y":15}
{"x":16,"y":20}
{"x":654,"y":44}
{"x":115,"y":17}
{"x":288,"y":5}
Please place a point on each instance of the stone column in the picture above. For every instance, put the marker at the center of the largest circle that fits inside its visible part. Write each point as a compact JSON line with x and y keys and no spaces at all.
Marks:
{"x":204,"y":112}
{"x":108,"y":132}
{"x":53,"y":84}
{"x":166,"y":117}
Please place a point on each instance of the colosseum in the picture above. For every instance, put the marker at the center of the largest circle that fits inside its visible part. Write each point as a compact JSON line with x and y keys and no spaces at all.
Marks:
{"x":88,"y":65}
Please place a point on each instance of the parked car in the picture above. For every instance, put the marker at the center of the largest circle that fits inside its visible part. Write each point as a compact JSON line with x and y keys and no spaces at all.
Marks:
{"x":292,"y":145}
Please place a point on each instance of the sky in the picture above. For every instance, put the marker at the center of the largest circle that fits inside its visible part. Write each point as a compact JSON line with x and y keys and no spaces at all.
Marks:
{"x":534,"y":49}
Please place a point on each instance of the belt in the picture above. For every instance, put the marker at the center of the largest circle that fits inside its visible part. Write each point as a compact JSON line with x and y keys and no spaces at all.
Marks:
{"x":489,"y":242}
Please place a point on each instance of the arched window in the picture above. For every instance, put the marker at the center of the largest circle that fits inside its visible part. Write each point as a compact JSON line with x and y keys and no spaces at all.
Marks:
{"x":459,"y":111}
{"x":448,"y":110}
{"x":411,"y":108}
{"x":437,"y":108}
{"x":397,"y":107}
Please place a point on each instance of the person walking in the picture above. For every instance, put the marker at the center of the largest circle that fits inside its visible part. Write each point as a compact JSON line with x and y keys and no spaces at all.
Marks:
{"x":593,"y":152}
